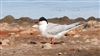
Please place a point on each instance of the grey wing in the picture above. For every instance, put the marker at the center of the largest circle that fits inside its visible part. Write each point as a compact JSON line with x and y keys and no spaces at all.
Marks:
{"x":52,"y":28}
{"x":56,"y":29}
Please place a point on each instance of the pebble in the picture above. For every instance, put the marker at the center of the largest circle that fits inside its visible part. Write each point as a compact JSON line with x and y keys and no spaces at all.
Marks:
{"x":5,"y":42}
{"x":47,"y":46}
{"x":59,"y":53}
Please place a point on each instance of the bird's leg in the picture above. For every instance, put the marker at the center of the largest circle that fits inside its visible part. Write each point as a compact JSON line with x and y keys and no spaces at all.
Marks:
{"x":52,"y":40}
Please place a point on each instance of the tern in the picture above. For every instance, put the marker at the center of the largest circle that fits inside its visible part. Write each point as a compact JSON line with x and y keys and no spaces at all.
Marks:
{"x":54,"y":31}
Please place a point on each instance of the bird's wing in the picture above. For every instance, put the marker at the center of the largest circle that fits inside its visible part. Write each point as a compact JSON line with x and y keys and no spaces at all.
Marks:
{"x":55,"y":29}
{"x":64,"y":32}
{"x":50,"y":25}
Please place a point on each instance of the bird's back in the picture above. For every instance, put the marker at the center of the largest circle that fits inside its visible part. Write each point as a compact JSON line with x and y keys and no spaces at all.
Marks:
{"x":55,"y":29}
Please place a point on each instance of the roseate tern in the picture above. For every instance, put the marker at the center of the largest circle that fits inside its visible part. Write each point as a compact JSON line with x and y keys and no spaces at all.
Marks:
{"x":51,"y":30}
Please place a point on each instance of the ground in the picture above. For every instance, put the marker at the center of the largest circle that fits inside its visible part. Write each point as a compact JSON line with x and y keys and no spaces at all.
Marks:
{"x":80,"y":42}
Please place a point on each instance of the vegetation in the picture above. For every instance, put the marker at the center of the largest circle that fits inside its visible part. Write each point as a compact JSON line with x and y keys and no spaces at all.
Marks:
{"x":29,"y":21}
{"x":91,"y":18}
{"x":8,"y":19}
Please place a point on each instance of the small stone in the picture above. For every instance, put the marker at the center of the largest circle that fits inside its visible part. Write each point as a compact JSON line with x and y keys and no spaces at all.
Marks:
{"x":77,"y":35}
{"x":47,"y":46}
{"x":84,"y":30}
{"x":73,"y":42}
{"x":1,"y":47}
{"x":87,"y":40}
{"x":63,"y":43}
{"x":95,"y":39}
{"x":95,"y":43}
{"x":32,"y":42}
{"x":59,"y":53}
{"x":5,"y":42}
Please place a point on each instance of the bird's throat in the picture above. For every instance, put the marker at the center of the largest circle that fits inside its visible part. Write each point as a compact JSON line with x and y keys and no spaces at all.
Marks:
{"x":43,"y":28}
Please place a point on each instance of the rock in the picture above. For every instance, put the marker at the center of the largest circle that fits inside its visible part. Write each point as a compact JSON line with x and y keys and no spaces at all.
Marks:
{"x":77,"y":35}
{"x":5,"y":42}
{"x":17,"y":35}
{"x":63,"y":43}
{"x":95,"y":41}
{"x":73,"y":42}
{"x":59,"y":53}
{"x":33,"y":42}
{"x":84,"y":30}
{"x":1,"y":47}
{"x":47,"y":46}
{"x":87,"y":41}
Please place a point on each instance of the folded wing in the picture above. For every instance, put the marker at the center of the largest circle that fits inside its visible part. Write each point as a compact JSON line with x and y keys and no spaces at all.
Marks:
{"x":56,"y":29}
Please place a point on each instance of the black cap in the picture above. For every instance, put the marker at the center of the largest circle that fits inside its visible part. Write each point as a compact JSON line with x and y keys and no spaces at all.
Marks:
{"x":43,"y":19}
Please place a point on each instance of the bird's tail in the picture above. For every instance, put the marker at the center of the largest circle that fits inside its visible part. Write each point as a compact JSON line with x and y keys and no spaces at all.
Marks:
{"x":71,"y":27}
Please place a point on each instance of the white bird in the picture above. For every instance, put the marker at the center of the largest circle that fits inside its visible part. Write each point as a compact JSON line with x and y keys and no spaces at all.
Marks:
{"x":51,"y":30}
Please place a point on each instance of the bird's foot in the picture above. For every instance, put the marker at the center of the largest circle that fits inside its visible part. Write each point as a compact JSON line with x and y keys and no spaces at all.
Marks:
{"x":52,"y":41}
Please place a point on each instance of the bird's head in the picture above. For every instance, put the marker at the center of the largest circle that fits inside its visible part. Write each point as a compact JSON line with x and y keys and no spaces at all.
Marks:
{"x":43,"y":21}
{"x":43,"y":24}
